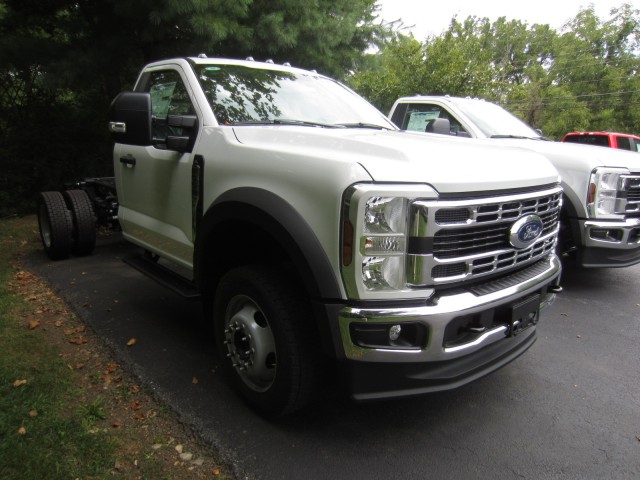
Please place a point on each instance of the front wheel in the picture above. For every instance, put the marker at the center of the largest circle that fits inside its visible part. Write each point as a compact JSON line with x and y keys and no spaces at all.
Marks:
{"x":263,"y":331}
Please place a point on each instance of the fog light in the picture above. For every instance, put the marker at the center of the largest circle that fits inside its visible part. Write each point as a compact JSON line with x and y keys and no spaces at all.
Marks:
{"x":608,"y":235}
{"x":408,"y":336}
{"x":394,"y":332}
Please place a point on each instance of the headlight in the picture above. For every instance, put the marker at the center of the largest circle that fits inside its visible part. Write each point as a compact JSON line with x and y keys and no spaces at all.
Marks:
{"x":375,"y":220}
{"x":602,"y":199}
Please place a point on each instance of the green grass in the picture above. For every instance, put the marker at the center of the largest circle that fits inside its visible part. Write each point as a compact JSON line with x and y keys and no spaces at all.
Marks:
{"x":66,"y":421}
{"x":58,"y":440}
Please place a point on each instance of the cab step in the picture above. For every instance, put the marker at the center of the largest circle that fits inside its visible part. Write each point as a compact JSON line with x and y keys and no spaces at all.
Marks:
{"x":164,"y":276}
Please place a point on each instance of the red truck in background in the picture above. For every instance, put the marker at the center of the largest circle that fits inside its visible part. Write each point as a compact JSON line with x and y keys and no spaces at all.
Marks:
{"x":624,"y":141}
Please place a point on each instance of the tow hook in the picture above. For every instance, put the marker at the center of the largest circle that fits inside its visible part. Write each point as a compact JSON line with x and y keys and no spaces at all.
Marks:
{"x":554,"y":289}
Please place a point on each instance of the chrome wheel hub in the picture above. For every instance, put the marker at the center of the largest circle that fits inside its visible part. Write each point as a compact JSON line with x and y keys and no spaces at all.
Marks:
{"x":250,"y":344}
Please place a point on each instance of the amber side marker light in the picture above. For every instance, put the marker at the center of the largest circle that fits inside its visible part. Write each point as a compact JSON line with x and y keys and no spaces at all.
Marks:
{"x":347,"y":243}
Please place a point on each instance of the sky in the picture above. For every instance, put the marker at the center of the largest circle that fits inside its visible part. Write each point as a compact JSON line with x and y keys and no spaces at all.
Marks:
{"x":432,"y":17}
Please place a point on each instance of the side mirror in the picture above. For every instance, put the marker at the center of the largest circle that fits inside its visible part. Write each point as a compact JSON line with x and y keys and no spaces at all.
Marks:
{"x":130,"y":118}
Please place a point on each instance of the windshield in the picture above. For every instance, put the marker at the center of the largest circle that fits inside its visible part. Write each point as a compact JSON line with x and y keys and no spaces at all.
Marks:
{"x":494,"y":121}
{"x":245,"y":95}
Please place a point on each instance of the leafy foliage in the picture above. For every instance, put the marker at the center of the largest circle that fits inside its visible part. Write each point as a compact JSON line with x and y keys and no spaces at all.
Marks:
{"x":582,"y":78}
{"x":62,"y":61}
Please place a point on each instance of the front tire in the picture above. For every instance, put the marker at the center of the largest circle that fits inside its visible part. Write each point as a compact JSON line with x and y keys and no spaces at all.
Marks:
{"x":263,"y":332}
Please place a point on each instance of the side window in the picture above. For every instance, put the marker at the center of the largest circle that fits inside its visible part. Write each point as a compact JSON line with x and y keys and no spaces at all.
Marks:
{"x":624,"y":143}
{"x":168,"y":97}
{"x":420,"y":117}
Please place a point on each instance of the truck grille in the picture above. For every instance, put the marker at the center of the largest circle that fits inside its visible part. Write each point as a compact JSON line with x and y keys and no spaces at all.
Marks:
{"x":629,"y":197}
{"x":471,"y":238}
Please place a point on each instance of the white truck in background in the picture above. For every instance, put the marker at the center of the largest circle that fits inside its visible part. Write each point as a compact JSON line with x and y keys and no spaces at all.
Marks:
{"x":600,"y":218}
{"x":317,"y":233}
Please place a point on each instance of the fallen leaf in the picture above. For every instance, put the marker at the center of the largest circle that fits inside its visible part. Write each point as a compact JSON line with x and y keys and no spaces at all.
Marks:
{"x":19,"y":383}
{"x":79,"y":340}
{"x":156,"y":446}
{"x":139,"y":416}
{"x":135,"y":405}
{"x":116,"y":424}
{"x":33,"y":413}
{"x":186,"y":457}
{"x":135,"y":389}
{"x":179,"y":448}
{"x":22,"y":431}
{"x":33,"y":324}
{"x":194,"y":380}
{"x":111,"y":367}
{"x":59,"y":323}
{"x":215,"y":471}
{"x":131,"y":342}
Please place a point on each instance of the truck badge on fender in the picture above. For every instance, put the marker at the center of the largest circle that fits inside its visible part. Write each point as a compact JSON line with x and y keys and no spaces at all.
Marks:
{"x":525,"y":231}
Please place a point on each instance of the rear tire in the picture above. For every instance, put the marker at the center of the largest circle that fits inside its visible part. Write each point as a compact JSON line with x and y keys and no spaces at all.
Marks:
{"x":84,"y":221}
{"x":263,"y":333}
{"x":56,"y":227}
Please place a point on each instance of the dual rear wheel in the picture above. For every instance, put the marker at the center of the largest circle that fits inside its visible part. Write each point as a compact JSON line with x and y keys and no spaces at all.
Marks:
{"x":67,"y":223}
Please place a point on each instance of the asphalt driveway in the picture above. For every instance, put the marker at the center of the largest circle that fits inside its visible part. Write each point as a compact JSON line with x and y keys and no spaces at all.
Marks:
{"x":568,"y":409}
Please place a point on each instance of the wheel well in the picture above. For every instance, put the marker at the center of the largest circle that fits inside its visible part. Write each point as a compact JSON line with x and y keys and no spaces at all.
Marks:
{"x":235,"y":243}
{"x":568,"y":238}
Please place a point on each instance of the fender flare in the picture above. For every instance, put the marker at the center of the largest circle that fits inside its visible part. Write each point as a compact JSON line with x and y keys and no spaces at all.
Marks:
{"x":284,"y":223}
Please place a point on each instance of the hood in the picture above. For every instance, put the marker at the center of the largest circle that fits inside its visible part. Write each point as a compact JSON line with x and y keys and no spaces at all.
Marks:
{"x":573,"y":156}
{"x":449,"y":165}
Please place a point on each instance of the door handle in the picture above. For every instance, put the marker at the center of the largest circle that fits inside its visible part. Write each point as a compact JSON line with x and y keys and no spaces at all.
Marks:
{"x":128,"y":160}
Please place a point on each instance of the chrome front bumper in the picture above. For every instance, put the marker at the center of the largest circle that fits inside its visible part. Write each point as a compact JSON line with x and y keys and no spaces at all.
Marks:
{"x":442,"y":309}
{"x":609,"y":243}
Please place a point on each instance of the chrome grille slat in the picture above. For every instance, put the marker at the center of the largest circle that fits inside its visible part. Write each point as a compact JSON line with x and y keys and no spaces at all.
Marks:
{"x":471,"y":236}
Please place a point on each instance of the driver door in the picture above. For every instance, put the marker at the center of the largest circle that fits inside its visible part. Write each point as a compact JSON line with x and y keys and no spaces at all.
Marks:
{"x":155,"y":183}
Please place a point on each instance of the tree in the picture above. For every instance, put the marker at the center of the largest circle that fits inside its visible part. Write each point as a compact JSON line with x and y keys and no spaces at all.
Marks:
{"x":583,"y":77}
{"x":62,"y":61}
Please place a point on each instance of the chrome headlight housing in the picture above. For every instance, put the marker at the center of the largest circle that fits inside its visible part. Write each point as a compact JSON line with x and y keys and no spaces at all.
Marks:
{"x":603,"y":200}
{"x":375,"y":223}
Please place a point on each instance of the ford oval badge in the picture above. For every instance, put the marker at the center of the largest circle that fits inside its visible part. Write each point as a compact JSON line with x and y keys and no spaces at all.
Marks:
{"x":525,"y":231}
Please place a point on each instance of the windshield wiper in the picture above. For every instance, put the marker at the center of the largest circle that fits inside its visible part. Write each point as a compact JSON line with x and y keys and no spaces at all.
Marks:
{"x":522,"y":137}
{"x":511,"y":136}
{"x":286,"y":121}
{"x":363,"y":125}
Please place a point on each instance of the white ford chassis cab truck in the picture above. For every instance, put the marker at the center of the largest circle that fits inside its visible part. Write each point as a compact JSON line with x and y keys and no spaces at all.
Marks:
{"x":600,"y":216}
{"x":317,"y":233}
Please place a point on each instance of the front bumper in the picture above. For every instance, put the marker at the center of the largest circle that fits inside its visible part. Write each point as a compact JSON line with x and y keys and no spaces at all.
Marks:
{"x":609,"y":243}
{"x":447,"y":359}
